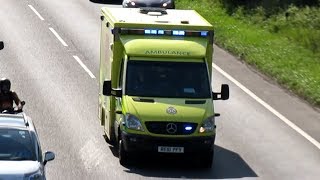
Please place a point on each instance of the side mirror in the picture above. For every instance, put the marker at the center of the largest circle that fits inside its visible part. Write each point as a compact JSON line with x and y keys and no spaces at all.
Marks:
{"x":48,"y":156}
{"x":224,"y":94}
{"x":106,"y":88}
{"x":1,"y":45}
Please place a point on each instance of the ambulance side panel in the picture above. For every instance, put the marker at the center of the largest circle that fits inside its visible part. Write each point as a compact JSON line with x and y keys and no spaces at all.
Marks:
{"x":111,"y":59}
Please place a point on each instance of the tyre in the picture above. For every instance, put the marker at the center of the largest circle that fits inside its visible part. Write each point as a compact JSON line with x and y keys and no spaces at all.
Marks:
{"x":123,"y":155}
{"x":111,"y":140}
{"x":206,"y":159}
{"x":209,"y":160}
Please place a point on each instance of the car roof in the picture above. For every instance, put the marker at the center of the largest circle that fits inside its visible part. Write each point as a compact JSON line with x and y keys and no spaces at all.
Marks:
{"x":14,"y":120}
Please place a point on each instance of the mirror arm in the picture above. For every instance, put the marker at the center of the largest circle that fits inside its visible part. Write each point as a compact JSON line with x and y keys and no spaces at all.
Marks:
{"x":215,"y":96}
{"x":116,"y":92}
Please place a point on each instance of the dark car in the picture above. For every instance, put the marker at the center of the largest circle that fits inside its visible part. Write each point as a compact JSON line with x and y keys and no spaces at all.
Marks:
{"x":168,"y":4}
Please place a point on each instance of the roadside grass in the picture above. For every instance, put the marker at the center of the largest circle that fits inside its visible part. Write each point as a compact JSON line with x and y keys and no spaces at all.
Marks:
{"x":290,"y":64}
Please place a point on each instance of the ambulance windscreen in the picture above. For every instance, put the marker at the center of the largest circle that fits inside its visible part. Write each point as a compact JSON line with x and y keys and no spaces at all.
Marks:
{"x":167,"y":79}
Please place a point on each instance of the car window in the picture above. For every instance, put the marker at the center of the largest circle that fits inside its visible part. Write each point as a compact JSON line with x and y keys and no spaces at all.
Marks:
{"x":37,"y":147}
{"x":16,"y":145}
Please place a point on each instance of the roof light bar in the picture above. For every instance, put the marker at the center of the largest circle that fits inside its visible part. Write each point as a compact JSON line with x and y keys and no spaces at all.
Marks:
{"x":164,"y":32}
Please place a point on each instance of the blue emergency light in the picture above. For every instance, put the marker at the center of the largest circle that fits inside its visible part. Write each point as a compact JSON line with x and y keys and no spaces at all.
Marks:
{"x":204,"y":33}
{"x":154,"y":31}
{"x":161,"y":32}
{"x":188,"y":128}
{"x":178,"y":33}
{"x":147,"y":31}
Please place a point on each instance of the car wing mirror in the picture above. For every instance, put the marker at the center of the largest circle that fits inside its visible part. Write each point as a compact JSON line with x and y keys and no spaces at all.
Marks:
{"x":223,"y":95}
{"x":1,"y":45}
{"x":48,"y":156}
{"x":106,"y":88}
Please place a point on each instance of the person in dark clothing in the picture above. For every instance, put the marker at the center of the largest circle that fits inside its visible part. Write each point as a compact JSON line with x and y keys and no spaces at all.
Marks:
{"x":7,"y":97}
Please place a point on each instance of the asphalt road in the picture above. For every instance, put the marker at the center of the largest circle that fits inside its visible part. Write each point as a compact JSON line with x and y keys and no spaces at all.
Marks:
{"x":51,"y":55}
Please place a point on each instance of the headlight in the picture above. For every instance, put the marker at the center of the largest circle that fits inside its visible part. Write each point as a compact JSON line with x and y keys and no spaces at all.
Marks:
{"x":208,"y":125}
{"x":129,"y":2}
{"x":167,"y":3}
{"x":133,"y":122}
{"x":35,"y":176}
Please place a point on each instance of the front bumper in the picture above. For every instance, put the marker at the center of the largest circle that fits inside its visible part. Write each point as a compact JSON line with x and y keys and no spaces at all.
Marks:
{"x":144,"y":143}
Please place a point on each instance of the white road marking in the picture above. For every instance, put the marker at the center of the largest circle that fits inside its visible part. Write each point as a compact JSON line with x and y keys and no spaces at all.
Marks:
{"x":84,"y":66}
{"x":57,"y":35}
{"x":267,"y":106}
{"x":36,"y":12}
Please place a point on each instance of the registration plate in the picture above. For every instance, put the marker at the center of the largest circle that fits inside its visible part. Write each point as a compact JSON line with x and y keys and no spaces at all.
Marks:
{"x":168,"y":149}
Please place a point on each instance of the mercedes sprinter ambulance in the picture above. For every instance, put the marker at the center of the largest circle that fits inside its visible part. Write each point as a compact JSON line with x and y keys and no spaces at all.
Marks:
{"x":155,"y":82}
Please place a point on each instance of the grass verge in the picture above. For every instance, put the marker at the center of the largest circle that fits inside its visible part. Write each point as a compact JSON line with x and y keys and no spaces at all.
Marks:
{"x":290,"y":64}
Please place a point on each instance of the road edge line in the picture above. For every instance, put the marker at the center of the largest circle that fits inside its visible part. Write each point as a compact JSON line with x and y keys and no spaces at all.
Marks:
{"x":267,"y":106}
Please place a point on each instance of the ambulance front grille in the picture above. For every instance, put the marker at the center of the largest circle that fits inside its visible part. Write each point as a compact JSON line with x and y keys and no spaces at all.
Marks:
{"x":171,"y":128}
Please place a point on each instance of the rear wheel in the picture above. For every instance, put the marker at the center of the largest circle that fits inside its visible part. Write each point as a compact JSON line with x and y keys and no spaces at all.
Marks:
{"x":112,"y":139}
{"x":123,"y":154}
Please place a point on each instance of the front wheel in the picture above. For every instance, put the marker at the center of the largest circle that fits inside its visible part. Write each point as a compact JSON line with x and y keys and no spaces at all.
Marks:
{"x":123,"y":155}
{"x":206,"y":159}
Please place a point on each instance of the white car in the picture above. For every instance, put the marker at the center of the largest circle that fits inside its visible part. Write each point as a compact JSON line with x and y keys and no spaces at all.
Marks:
{"x":20,"y":151}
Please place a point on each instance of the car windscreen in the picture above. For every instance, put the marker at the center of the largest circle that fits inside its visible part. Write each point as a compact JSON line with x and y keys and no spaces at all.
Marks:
{"x":167,"y":79}
{"x":16,"y":145}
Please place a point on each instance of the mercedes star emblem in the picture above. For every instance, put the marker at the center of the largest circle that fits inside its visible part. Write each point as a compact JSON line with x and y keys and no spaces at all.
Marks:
{"x":171,"y":110}
{"x":171,"y":128}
